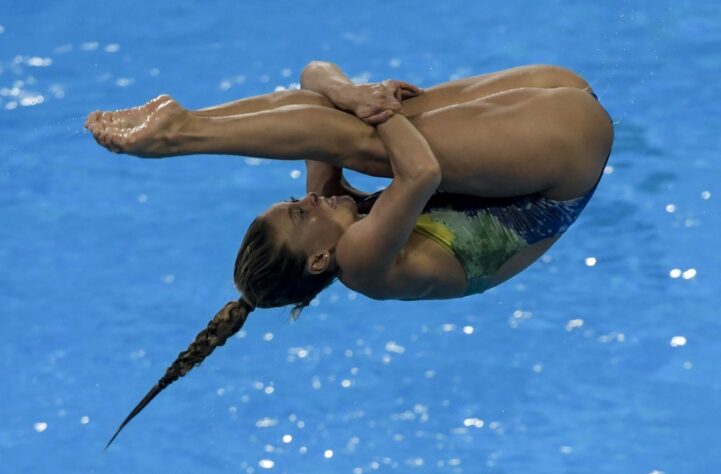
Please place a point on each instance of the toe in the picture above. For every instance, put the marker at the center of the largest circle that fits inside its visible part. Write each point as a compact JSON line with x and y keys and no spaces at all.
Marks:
{"x":107,"y":117}
{"x":116,"y":143}
{"x":103,"y":137}
{"x":91,"y":118}
{"x":95,"y":128}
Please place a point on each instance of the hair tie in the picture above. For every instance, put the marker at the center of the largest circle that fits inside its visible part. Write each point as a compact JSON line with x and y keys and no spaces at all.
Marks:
{"x":250,"y":306}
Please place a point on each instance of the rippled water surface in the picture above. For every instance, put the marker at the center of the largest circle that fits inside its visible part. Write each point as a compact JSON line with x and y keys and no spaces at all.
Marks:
{"x":603,"y":357}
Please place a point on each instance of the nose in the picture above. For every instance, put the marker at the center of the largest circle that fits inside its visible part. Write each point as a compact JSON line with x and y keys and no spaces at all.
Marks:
{"x":313,"y":198}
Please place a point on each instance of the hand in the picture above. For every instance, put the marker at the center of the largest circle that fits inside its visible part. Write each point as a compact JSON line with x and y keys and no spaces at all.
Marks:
{"x":402,"y":90}
{"x":374,"y":103}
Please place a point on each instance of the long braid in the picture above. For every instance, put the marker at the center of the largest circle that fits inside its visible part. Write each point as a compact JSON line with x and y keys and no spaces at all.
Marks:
{"x":269,"y":274}
{"x":227,"y":322}
{"x":224,"y":324}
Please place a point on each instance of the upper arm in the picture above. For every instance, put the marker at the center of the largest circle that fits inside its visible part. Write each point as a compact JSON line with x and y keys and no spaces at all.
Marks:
{"x":370,"y":247}
{"x":322,"y":178}
{"x":328,"y":180}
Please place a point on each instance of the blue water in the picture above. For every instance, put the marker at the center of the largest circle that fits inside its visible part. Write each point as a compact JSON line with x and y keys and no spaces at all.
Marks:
{"x":601,"y":358}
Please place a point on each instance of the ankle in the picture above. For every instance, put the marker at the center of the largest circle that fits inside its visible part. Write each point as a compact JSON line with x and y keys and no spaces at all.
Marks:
{"x":181,"y":134}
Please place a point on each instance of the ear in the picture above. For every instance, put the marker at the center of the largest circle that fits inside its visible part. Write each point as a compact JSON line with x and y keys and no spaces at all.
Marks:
{"x":319,"y":262}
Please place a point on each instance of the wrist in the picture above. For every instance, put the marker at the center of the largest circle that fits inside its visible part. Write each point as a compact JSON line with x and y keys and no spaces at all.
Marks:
{"x":338,"y":94}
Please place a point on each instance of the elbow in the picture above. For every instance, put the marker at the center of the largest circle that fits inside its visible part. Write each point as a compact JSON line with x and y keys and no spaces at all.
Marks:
{"x":428,"y":173}
{"x":309,"y":68}
{"x":316,"y":63}
{"x":313,"y":64}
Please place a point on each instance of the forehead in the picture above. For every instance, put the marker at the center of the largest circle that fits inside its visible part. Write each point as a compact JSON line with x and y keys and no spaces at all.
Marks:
{"x":278,"y":216}
{"x":278,"y":210}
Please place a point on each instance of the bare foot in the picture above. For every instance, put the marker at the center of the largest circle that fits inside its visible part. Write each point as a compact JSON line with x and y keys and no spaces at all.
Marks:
{"x":127,"y":118}
{"x":143,"y":131}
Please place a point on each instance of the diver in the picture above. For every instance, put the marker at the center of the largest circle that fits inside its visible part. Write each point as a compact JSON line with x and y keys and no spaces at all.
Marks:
{"x":487,"y":173}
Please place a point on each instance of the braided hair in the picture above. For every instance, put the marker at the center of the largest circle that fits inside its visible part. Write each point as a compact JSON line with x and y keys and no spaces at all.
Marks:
{"x":269,"y":275}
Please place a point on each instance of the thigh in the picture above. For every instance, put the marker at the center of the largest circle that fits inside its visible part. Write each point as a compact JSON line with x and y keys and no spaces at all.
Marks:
{"x":477,"y":87}
{"x":521,"y":141}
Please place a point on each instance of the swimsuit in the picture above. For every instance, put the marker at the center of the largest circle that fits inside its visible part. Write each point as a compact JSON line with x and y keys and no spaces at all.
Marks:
{"x":483,"y":233}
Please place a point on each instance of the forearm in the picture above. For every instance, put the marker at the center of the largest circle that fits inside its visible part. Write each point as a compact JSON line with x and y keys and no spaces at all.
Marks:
{"x":328,"y":180}
{"x":327,"y":79}
{"x":408,"y":151}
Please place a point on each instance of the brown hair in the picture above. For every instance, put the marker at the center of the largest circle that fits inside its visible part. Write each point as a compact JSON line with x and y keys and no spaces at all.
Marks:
{"x":268,"y":275}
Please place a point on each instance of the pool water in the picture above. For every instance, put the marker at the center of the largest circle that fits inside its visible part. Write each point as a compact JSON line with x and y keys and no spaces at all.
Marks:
{"x":603,"y":357}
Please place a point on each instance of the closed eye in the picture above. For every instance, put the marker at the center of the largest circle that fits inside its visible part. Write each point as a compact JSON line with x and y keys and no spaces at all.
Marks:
{"x":298,"y":210}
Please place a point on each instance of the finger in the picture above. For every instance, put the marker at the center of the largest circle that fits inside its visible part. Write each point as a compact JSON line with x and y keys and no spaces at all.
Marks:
{"x":379,"y":118}
{"x":394,"y":105}
{"x":410,"y":87}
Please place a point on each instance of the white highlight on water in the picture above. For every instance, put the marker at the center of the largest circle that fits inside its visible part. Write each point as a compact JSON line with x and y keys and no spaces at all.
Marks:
{"x":391,"y":346}
{"x":448,"y":327}
{"x":573,"y":324}
{"x":124,"y":81}
{"x":474,"y":422}
{"x":678,"y":341}
{"x":266,"y":422}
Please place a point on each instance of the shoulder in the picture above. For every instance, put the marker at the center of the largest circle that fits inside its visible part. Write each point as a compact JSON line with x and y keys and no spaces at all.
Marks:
{"x":422,"y":270}
{"x":357,"y":271}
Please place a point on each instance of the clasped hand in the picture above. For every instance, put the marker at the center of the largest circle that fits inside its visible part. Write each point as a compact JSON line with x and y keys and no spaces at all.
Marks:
{"x":375,"y":103}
